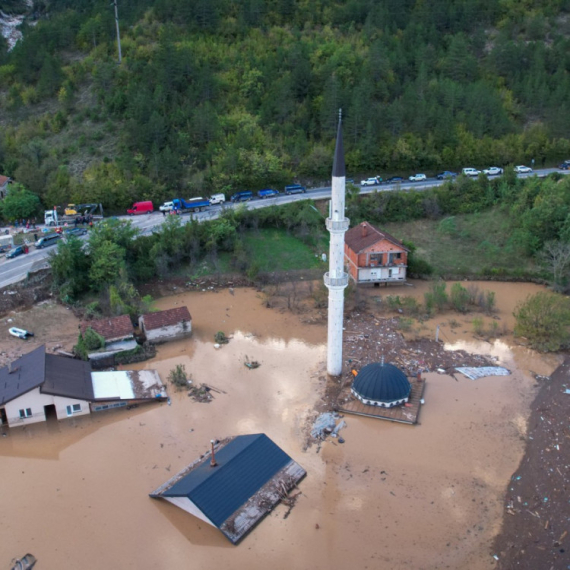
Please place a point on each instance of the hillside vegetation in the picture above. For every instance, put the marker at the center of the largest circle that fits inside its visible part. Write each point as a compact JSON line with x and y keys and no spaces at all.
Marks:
{"x":217,"y":95}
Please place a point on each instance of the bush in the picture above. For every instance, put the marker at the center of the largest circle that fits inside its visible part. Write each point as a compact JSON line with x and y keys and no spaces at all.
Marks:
{"x":436,"y":297}
{"x":459,"y":298}
{"x":544,"y":319}
{"x":178,"y":376}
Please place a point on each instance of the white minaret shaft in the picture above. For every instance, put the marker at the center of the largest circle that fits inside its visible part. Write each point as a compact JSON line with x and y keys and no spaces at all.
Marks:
{"x":336,"y":279}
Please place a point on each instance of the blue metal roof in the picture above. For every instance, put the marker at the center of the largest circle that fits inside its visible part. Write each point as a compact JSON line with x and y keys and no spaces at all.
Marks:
{"x":245,"y":465}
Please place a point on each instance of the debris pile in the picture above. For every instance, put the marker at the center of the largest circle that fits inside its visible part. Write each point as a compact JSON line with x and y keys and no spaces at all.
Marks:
{"x":536,"y":526}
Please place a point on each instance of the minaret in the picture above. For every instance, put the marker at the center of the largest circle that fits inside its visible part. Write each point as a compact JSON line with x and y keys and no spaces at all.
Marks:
{"x":336,"y":279}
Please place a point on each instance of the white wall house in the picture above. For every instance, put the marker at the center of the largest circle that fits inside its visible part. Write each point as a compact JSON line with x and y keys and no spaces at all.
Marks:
{"x":163,"y":326}
{"x":37,"y":386}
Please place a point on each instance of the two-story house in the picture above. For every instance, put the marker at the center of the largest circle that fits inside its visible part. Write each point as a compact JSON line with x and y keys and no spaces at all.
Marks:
{"x":374,"y":256}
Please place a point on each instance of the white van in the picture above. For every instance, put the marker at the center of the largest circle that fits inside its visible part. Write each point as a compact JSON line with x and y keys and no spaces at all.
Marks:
{"x":471,"y":172}
{"x":217,"y":199}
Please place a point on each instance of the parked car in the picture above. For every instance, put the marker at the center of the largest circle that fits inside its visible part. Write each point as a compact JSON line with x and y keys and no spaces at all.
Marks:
{"x":471,"y":172}
{"x":394,"y":179}
{"x":521,"y":169}
{"x":565,"y":165}
{"x":75,"y":232}
{"x":16,"y":251}
{"x":46,"y":241}
{"x":417,"y":178}
{"x":374,"y":181}
{"x":267,"y":193}
{"x":20,"y":333}
{"x":295,"y":189}
{"x":446,"y":175}
{"x":217,"y":199}
{"x":166,"y":207}
{"x":493,"y":171}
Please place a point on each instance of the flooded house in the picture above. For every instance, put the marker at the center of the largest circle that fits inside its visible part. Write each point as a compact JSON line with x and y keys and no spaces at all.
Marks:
{"x":374,"y":256}
{"x":235,"y":485}
{"x":38,"y":386}
{"x":118,"y":334}
{"x":163,"y":326}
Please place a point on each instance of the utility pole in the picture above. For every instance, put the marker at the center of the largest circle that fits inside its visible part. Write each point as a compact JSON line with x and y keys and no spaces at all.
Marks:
{"x":118,"y":33}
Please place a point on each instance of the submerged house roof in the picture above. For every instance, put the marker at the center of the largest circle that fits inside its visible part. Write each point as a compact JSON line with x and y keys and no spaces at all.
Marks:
{"x":112,"y":329}
{"x":243,"y":488}
{"x":364,"y":235}
{"x":127,"y":385}
{"x":55,"y":375}
{"x":166,"y":318}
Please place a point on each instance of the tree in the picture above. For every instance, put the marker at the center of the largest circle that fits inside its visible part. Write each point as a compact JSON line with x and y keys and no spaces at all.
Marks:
{"x":107,"y":262}
{"x":556,"y":259}
{"x":70,"y":269}
{"x":544,"y":319}
{"x":20,"y":203}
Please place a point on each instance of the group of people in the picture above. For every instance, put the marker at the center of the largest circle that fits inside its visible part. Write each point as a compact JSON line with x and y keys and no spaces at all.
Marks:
{"x":31,"y":223}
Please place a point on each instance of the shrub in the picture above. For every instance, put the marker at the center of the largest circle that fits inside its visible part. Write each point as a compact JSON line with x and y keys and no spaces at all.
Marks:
{"x":544,"y":319}
{"x":478,"y":325}
{"x":178,"y":376}
{"x":221,"y":338}
{"x":459,"y":298}
{"x":437,"y":297}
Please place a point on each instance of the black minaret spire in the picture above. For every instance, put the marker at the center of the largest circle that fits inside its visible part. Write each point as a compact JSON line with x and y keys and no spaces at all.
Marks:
{"x":338,"y":163}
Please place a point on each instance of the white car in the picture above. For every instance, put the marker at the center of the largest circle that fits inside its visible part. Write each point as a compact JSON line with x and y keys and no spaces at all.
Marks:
{"x":471,"y":172}
{"x":522,"y":169}
{"x":217,"y":199}
{"x":167,"y":207}
{"x":417,"y":178}
{"x":370,"y":181}
{"x":493,"y":171}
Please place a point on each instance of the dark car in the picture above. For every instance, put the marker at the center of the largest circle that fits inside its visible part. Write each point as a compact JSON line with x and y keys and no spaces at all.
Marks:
{"x":565,"y":165}
{"x":75,"y":232}
{"x":20,"y":250}
{"x":244,"y":196}
{"x":446,"y":175}
{"x":394,"y":179}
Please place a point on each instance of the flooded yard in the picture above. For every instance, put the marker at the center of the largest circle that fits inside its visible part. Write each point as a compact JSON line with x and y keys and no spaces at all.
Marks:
{"x":393,"y":496}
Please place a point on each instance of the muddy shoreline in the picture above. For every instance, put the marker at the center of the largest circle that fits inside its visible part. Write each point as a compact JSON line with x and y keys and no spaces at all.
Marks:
{"x":535,"y":531}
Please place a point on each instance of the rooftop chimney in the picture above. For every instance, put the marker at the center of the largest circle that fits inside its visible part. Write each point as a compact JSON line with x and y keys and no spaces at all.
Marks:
{"x":213,"y":460}
{"x":364,"y":229}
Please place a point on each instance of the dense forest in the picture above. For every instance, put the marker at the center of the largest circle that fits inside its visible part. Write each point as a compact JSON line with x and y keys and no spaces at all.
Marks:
{"x":219,"y":95}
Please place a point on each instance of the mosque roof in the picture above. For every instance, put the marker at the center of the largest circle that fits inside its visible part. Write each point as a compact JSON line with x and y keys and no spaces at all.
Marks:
{"x":381,"y":382}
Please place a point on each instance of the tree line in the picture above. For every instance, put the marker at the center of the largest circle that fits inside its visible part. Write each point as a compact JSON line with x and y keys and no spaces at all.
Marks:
{"x":222,"y":96}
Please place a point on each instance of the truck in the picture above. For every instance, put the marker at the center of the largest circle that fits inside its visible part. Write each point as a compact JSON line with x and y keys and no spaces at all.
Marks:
{"x":295,"y":189}
{"x":244,"y":196}
{"x":54,"y":218}
{"x":191,"y":205}
{"x":267,"y":193}
{"x":6,"y":243}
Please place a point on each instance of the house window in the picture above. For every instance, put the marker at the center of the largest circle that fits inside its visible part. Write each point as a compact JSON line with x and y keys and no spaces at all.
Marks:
{"x":394,"y":256}
{"x":375,"y":258}
{"x":73,"y":409}
{"x":27,"y":413}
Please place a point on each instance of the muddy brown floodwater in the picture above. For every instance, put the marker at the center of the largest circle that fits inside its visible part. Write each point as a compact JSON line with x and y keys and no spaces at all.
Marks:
{"x":75,"y":493}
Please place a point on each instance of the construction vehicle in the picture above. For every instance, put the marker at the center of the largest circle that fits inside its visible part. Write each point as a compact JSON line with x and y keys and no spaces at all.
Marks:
{"x":92,"y":211}
{"x":191,"y":205}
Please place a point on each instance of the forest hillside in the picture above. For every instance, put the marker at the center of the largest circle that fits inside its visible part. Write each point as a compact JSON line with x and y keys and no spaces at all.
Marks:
{"x":220,"y":95}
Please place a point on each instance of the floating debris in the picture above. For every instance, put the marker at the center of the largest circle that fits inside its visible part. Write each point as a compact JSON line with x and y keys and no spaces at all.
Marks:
{"x":474,"y":373}
{"x":251,"y":364}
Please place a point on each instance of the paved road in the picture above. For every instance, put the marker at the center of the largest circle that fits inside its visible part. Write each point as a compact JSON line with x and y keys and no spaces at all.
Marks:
{"x":13,"y":270}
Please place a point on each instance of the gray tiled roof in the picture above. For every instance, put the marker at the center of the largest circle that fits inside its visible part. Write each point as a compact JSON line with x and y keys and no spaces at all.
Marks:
{"x":56,"y":375}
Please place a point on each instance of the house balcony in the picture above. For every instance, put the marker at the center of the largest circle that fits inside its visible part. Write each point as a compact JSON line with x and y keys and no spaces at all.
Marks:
{"x":336,"y":281}
{"x":337,"y":225}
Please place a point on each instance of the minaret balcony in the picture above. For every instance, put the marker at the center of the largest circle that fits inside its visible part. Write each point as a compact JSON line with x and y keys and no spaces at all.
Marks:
{"x":337,"y":225}
{"x":336,"y":281}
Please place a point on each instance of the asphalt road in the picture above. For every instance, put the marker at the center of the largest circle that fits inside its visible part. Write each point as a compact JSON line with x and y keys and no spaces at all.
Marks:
{"x":14,"y":270}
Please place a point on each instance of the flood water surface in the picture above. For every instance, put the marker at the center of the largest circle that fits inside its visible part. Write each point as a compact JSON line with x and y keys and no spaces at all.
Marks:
{"x":75,"y":493}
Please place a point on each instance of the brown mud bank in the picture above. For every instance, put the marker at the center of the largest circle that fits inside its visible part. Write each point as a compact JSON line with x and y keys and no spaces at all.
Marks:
{"x":536,"y":531}
{"x":391,"y":497}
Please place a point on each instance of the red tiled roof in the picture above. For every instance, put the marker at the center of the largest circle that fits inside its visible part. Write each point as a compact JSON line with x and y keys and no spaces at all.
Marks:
{"x":115,"y":328}
{"x":166,"y":318}
{"x":3,"y":180}
{"x":365,"y":235}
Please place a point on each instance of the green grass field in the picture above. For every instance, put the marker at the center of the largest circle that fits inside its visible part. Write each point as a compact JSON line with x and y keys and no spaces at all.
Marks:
{"x":465,"y":245}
